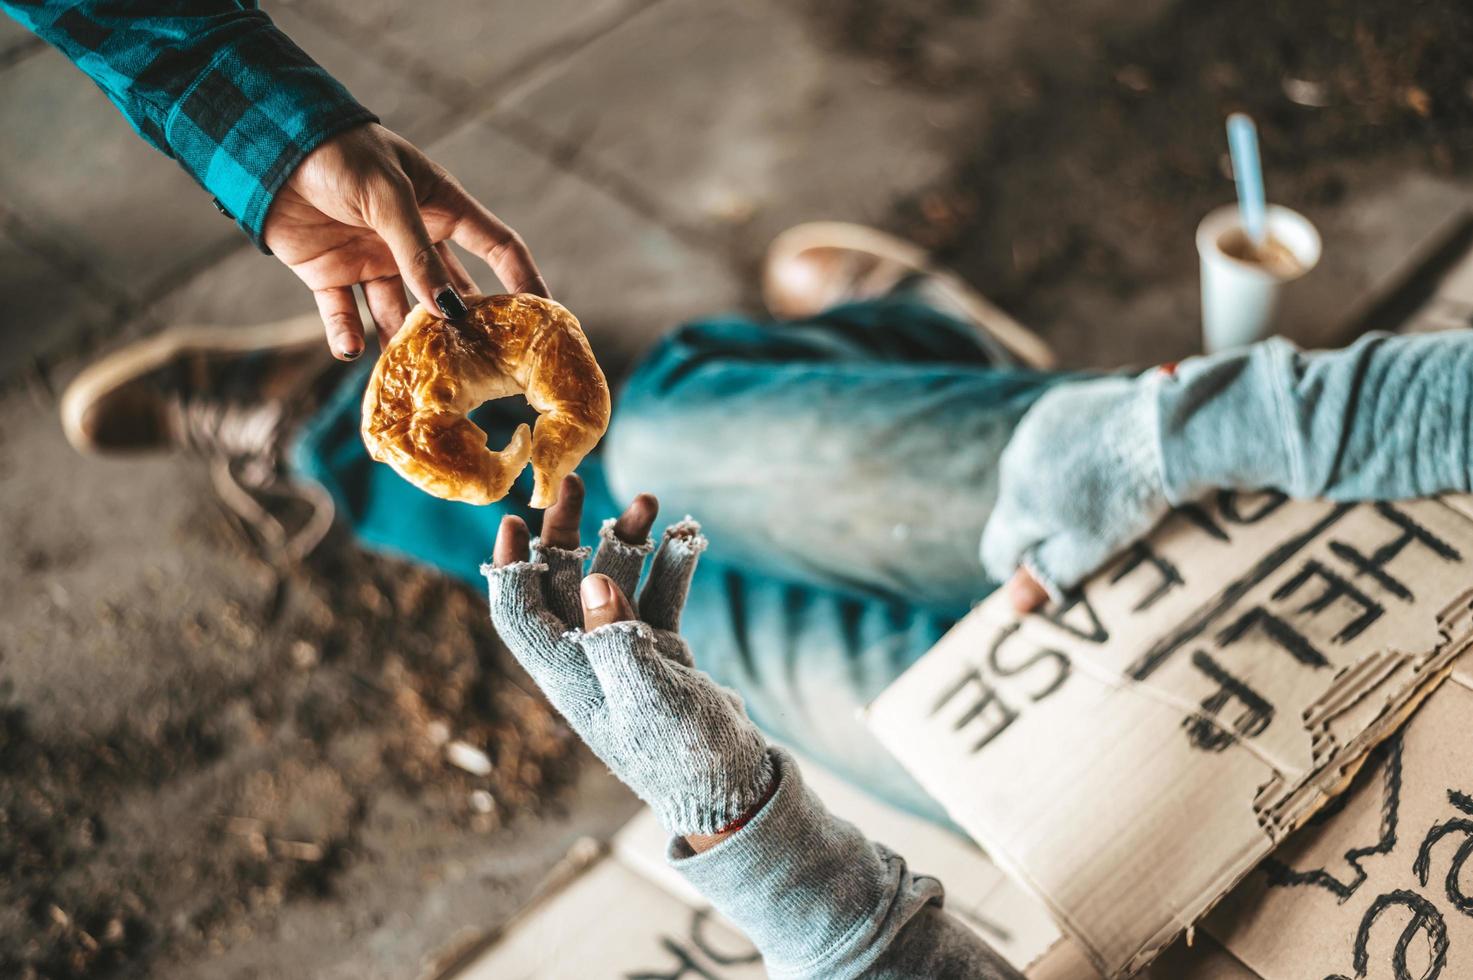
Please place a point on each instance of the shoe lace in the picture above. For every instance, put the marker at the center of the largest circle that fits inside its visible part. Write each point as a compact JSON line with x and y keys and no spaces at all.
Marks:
{"x":243,"y":444}
{"x":217,"y":428}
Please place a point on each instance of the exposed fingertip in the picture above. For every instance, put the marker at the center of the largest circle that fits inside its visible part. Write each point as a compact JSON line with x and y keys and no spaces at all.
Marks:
{"x":633,"y":526}
{"x":1025,"y":592}
{"x":513,"y":541}
{"x":603,"y":603}
{"x":597,"y":591}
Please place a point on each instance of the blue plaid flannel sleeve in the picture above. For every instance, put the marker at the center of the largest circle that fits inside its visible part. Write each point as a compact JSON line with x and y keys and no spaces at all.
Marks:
{"x":212,"y":83}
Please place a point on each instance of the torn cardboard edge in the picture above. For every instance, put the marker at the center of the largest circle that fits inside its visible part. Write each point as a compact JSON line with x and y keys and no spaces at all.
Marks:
{"x":1378,"y":884}
{"x":1313,"y":629}
{"x":1203,"y":958}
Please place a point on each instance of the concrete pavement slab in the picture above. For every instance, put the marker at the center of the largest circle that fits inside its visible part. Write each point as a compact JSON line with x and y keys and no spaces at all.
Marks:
{"x":146,"y":666}
{"x":13,"y":37}
{"x":403,"y":104}
{"x":628,"y":279}
{"x":1367,"y":236}
{"x":45,"y":308}
{"x":245,"y":287}
{"x":104,"y":569}
{"x":1384,"y":215}
{"x":735,"y":117}
{"x":471,"y":42}
{"x":71,"y":166}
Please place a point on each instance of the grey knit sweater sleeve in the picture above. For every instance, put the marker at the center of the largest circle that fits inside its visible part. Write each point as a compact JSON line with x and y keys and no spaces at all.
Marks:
{"x":1384,"y":419}
{"x":1094,"y":464}
{"x":821,"y":900}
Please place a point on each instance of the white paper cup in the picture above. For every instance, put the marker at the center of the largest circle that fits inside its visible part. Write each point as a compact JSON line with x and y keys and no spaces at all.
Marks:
{"x":1240,"y":299}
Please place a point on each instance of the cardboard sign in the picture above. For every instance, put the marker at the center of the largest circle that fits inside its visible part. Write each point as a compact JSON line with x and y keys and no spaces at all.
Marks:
{"x":1379,"y":885}
{"x":1132,"y":753}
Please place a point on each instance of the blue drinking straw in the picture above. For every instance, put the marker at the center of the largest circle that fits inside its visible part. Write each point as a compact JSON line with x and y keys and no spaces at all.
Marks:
{"x":1247,"y":174}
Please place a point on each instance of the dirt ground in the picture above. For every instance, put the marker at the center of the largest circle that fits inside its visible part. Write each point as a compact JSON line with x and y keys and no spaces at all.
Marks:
{"x":284,"y":795}
{"x":131,"y":842}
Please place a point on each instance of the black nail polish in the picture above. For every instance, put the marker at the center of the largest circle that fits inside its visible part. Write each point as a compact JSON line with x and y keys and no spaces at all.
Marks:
{"x":352,"y":355}
{"x":451,"y":305}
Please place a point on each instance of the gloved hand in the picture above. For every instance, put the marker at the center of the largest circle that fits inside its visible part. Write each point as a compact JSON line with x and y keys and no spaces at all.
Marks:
{"x":625,"y":680}
{"x":1080,"y":479}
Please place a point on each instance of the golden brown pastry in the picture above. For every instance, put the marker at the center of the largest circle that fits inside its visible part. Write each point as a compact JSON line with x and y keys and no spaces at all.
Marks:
{"x":434,"y":372}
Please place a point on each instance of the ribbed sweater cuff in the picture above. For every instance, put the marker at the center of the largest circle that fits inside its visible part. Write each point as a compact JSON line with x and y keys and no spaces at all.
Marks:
{"x":813,"y":893}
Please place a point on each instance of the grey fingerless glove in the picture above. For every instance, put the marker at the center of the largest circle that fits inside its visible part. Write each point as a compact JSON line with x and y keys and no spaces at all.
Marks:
{"x":630,"y":690}
{"x":1080,"y":478}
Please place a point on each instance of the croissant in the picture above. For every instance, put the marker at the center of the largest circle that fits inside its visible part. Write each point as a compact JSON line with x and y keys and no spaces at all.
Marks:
{"x":435,"y":371}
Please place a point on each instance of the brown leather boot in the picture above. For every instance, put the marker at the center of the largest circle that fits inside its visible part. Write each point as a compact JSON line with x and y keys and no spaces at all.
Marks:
{"x":229,"y":394}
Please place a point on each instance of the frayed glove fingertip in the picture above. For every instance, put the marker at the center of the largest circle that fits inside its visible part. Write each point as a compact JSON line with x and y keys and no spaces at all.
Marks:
{"x":686,"y":535}
{"x":515,"y":569}
{"x":608,"y":539}
{"x":542,"y":552}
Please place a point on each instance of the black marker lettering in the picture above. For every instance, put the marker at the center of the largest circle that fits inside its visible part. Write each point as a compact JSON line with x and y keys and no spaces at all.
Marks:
{"x":1142,"y":554}
{"x":1225,"y":600}
{"x":1335,"y":588}
{"x":1197,"y":516}
{"x":1269,"y":501}
{"x":986,"y":698}
{"x":699,"y":939}
{"x":1061,"y":661}
{"x":1425,"y":920}
{"x":1374,"y":565}
{"x":1095,"y":632}
{"x":1385,"y":758}
{"x":1204,"y":731}
{"x":1281,"y":633}
{"x":685,"y":967}
{"x":1423,"y":865}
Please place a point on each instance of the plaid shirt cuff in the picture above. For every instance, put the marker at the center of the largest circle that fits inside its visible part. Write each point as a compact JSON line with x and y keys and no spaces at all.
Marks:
{"x":253,"y":114}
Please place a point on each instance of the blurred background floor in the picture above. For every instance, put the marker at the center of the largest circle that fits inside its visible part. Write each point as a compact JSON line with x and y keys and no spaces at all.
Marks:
{"x":214,"y":767}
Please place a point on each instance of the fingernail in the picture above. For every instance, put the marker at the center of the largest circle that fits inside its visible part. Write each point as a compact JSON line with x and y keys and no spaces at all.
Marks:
{"x":596,"y":592}
{"x":450,"y":303}
{"x":350,"y":355}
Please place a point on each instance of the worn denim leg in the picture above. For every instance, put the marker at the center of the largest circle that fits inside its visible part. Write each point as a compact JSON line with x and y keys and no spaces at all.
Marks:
{"x":843,"y":469}
{"x":857,"y":451}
